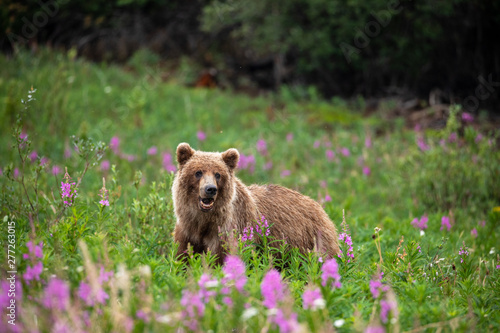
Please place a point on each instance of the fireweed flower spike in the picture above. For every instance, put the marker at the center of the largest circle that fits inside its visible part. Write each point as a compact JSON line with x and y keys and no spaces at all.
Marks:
{"x":272,"y":288}
{"x":464,"y":252}
{"x":68,"y":190}
{"x":234,"y":273}
{"x":330,"y":274}
{"x":104,"y":194}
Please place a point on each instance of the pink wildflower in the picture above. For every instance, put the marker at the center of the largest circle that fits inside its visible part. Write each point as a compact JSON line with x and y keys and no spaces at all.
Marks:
{"x":105,"y":165}
{"x":420,"y":224}
{"x":56,"y":295}
{"x":316,"y":144}
{"x":345,"y":151}
{"x":33,"y":273}
{"x":467,"y":117}
{"x":201,"y":135}
{"x":56,"y":170}
{"x":330,"y":155}
{"x":114,"y":144}
{"x":286,"y":325}
{"x":330,"y":272}
{"x":366,"y":171}
{"x":262,"y":147}
{"x":273,"y":289}
{"x":153,"y":150}
{"x":445,"y":222}
{"x":285,"y":173}
{"x":289,"y":137}
{"x":368,"y":142}
{"x":375,"y":329}
{"x":167,"y":163}
{"x":473,"y":233}
{"x":234,"y":271}
{"x":312,"y":299}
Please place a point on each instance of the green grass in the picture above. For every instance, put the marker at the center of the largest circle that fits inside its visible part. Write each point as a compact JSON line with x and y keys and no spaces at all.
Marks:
{"x":133,"y":236}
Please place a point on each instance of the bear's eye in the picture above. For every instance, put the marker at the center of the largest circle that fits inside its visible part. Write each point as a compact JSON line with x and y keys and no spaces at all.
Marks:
{"x":217,"y":176}
{"x":198,"y":174}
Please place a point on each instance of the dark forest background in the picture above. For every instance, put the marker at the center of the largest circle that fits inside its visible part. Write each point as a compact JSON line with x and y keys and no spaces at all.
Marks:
{"x":436,"y":51}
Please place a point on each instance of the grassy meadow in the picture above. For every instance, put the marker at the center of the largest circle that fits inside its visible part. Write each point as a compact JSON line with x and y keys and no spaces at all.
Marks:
{"x":420,"y":236}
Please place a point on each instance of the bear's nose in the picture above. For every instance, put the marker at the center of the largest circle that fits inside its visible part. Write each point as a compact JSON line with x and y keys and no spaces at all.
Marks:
{"x":210,"y":190}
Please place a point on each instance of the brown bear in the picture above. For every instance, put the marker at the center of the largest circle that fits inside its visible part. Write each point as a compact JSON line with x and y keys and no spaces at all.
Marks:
{"x":210,"y":201}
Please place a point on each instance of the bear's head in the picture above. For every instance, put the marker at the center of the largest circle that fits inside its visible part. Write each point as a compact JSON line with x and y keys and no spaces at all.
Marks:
{"x":205,"y":180}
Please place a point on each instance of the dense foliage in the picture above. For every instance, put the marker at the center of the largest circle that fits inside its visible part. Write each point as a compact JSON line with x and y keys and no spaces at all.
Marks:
{"x":86,"y":172}
{"x":371,"y":47}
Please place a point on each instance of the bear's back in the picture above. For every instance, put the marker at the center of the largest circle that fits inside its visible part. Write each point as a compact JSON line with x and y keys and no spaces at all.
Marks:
{"x":297,"y":217}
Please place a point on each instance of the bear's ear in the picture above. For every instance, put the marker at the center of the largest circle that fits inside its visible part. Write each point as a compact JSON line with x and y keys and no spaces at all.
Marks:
{"x":184,"y":153}
{"x":231,"y":158}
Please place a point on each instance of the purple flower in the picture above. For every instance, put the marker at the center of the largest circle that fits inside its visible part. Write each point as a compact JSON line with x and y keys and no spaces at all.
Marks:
{"x":346,"y":238}
{"x":234,"y":271}
{"x":68,"y":193}
{"x":330,"y":155}
{"x":453,"y":137}
{"x":56,"y":295}
{"x":205,"y":283}
{"x":482,"y":223}
{"x":473,"y":233}
{"x":445,"y":222}
{"x":330,"y":271}
{"x":345,"y":151}
{"x":328,"y":198}
{"x":34,"y":250}
{"x":56,"y":170}
{"x":247,"y":162}
{"x":368,"y":142}
{"x":153,"y":150}
{"x":114,"y":144}
{"x":104,"y":194}
{"x":105,"y":165}
{"x":289,"y":137}
{"x":201,"y":135}
{"x":421,"y":144}
{"x":386,"y":306}
{"x":33,"y":273}
{"x":44,"y":160}
{"x":33,"y":156}
{"x":268,"y":165}
{"x":262,"y":147}
{"x":193,"y":309}
{"x":467,"y":117}
{"x":420,"y":224}
{"x":286,"y":325}
{"x":247,"y":234}
{"x":316,"y":144}
{"x":142,"y":316}
{"x":376,"y":286}
{"x":129,"y":157}
{"x":312,"y":299}
{"x":228,"y":301}
{"x":272,"y":289}
{"x":463,"y":252}
{"x":285,"y":173}
{"x":167,"y":163}
{"x":375,"y":329}
{"x":366,"y":171}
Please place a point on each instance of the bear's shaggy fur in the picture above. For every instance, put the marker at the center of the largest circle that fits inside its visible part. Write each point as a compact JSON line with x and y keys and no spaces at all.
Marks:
{"x":209,"y":201}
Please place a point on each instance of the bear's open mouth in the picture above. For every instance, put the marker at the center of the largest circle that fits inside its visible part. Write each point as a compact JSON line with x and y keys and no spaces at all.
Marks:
{"x":206,"y":204}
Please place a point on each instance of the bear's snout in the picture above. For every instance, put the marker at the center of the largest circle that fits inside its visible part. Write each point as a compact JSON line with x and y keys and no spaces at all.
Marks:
{"x":210,"y":190}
